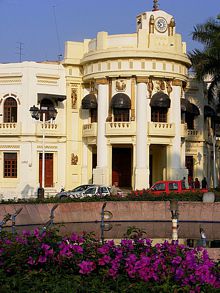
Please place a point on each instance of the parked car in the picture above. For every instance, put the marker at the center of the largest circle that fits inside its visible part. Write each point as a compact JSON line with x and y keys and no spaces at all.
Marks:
{"x":97,"y":190}
{"x":74,"y":193}
{"x":168,"y":186}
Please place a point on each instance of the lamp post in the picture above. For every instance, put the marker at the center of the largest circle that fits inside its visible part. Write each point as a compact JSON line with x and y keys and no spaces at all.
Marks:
{"x":105,"y":215}
{"x":36,"y":114}
{"x":174,"y":216}
{"x":214,"y":154}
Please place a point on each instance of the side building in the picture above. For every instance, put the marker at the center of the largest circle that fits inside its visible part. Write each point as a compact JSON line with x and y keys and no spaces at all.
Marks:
{"x":24,"y":141}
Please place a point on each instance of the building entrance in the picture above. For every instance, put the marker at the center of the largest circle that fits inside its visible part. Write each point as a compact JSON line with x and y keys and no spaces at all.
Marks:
{"x":158,"y":163}
{"x":48,"y":169}
{"x":121,"y":166}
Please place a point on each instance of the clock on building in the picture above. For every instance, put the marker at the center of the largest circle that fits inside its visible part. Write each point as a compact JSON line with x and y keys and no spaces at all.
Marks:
{"x":161,"y":24}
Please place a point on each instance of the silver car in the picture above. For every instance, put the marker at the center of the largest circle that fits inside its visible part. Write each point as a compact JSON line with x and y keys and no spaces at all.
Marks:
{"x":74,"y":193}
{"x":96,"y":190}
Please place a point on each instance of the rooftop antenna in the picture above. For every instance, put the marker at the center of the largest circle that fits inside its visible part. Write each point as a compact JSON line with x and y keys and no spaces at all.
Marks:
{"x":59,"y":55}
{"x":20,"y":48}
{"x":155,"y":6}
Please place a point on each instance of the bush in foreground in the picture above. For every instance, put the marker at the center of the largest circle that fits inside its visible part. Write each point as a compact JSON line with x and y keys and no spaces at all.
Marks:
{"x":47,"y":262}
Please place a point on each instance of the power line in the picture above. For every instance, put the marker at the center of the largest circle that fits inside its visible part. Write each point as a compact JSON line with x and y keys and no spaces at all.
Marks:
{"x":59,"y":55}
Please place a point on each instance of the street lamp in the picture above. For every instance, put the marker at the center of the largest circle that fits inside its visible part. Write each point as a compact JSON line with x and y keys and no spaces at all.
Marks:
{"x":174,"y":216}
{"x":37,"y":113}
{"x":105,"y":216}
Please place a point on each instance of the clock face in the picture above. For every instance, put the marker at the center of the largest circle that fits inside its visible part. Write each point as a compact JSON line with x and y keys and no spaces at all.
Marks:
{"x":161,"y":24}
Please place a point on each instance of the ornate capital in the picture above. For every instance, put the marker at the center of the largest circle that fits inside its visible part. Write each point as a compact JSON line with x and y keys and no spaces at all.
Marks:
{"x":102,"y":81}
{"x":177,"y":82}
{"x":142,"y":79}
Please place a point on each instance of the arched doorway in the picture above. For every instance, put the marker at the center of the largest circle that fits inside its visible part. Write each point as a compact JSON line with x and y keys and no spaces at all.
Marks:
{"x":122,"y":165}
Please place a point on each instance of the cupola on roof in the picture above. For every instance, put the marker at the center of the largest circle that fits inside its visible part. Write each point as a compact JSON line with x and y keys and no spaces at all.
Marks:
{"x":156,"y":21}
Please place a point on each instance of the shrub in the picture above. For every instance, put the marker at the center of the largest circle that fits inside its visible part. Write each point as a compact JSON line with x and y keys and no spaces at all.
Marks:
{"x":47,"y":262}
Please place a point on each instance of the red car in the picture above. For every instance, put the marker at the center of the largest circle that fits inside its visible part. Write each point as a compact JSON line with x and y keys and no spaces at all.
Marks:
{"x":168,"y":186}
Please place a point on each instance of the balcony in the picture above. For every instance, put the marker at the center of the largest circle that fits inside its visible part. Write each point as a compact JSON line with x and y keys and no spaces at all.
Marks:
{"x":194,"y":135}
{"x":50,"y":129}
{"x":161,"y":129}
{"x":120,"y":128}
{"x":89,"y":130}
{"x":10,"y":128}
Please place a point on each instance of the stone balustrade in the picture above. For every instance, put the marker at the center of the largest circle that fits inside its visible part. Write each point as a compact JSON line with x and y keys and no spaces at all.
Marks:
{"x":10,"y":128}
{"x":120,"y":128}
{"x":161,"y":129}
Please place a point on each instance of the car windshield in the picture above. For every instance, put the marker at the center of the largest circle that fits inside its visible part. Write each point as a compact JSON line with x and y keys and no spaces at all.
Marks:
{"x":91,"y":190}
{"x":159,"y":186}
{"x":79,"y":188}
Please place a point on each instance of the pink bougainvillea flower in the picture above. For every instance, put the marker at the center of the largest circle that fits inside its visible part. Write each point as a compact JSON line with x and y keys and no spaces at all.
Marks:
{"x":42,"y":259}
{"x":86,"y":267}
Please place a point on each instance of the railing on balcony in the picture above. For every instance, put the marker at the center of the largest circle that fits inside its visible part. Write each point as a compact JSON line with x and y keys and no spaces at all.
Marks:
{"x":161,"y":129}
{"x":89,"y":130}
{"x":120,"y":128}
{"x":194,"y":135}
{"x":10,"y":128}
{"x":50,"y":129}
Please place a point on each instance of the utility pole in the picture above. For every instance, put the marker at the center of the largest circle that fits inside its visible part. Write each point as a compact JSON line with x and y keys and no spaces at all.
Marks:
{"x":20,"y":48}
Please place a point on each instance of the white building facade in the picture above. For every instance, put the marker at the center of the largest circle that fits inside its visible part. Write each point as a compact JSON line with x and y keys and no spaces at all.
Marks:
{"x":23,"y":85}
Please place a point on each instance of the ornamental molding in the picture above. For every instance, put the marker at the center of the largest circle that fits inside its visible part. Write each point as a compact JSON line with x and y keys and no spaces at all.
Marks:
{"x":120,"y":85}
{"x":47,"y":147}
{"x":74,"y":96}
{"x":9,"y":147}
{"x":74,"y":159}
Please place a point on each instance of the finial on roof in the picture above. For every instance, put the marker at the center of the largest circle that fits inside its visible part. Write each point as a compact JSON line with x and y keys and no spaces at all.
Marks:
{"x":155,"y":6}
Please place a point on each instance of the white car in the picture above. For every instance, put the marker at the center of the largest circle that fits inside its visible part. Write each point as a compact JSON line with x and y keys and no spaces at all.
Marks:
{"x":74,"y":193}
{"x":97,"y":190}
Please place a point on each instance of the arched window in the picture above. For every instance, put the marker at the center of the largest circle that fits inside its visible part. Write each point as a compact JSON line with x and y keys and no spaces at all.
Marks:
{"x":45,"y":106}
{"x":121,"y":115}
{"x":121,"y":105}
{"x":10,"y":110}
{"x":159,"y":103}
{"x":158,"y":114}
{"x":89,"y":102}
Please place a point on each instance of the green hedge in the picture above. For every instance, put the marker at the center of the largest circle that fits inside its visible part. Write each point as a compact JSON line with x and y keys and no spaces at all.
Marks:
{"x":141,"y":195}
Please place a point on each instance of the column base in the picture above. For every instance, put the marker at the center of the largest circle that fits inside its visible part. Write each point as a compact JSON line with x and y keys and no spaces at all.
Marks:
{"x":84,"y":175}
{"x":100,"y":176}
{"x":142,"y":179}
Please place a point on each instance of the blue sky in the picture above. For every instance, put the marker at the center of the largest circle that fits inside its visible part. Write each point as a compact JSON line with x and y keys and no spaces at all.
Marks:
{"x":43,"y":26}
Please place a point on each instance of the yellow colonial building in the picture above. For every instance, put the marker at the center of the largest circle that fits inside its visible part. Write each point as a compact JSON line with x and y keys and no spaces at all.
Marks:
{"x":124,"y":109}
{"x":133,"y":114}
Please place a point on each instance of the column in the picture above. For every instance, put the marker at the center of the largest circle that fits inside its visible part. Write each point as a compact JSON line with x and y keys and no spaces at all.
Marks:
{"x":175,"y":170}
{"x":100,"y":173}
{"x":142,"y":149}
{"x":84,"y":171}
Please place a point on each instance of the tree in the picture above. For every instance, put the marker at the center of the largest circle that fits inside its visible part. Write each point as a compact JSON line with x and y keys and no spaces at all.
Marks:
{"x":206,"y":62}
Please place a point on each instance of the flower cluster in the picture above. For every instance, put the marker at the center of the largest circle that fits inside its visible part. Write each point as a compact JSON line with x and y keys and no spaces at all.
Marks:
{"x":135,"y":259}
